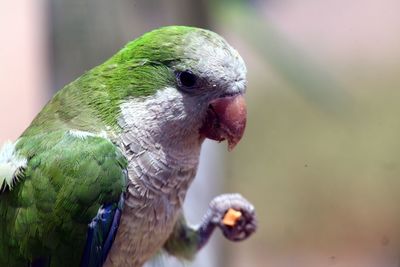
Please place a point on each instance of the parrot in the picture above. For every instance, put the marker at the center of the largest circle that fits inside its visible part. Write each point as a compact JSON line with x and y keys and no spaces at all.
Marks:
{"x":100,"y":175}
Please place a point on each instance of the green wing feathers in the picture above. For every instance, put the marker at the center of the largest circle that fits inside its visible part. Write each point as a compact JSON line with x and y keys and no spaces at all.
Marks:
{"x":65,"y":181}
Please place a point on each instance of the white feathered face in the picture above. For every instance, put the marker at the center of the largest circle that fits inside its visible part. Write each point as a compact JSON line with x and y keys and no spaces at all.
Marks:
{"x":205,"y":98}
{"x":213,"y":73}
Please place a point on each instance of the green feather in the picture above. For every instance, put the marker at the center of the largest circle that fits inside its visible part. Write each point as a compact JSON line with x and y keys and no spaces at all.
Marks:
{"x":67,"y":179}
{"x":142,"y":67}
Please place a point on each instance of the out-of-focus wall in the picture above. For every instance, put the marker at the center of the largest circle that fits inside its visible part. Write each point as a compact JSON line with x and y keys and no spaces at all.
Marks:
{"x":321,"y":155}
{"x":23,"y":65}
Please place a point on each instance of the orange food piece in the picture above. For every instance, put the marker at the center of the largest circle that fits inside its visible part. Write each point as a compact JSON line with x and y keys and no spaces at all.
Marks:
{"x":231,"y":217}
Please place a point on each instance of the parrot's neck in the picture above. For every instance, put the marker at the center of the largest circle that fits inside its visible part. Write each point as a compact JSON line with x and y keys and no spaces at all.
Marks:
{"x":161,"y":141}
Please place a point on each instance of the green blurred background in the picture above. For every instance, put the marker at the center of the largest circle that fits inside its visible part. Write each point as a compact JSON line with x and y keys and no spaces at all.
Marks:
{"x":320,"y":159}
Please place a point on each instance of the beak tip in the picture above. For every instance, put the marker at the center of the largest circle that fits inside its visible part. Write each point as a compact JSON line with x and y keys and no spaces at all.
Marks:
{"x":231,"y":146}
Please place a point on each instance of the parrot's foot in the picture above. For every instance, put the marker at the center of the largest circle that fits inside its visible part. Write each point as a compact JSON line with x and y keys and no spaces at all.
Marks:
{"x":234,"y":215}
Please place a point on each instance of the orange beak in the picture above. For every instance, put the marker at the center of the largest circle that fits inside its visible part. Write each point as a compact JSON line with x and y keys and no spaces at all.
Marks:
{"x":225,"y":120}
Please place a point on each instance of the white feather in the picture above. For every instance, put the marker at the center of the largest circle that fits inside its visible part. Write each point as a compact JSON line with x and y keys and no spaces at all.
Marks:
{"x":10,"y":164}
{"x":83,"y":134}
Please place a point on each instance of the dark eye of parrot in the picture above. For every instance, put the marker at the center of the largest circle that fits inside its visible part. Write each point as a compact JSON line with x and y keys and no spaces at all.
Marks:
{"x":186,"y":78}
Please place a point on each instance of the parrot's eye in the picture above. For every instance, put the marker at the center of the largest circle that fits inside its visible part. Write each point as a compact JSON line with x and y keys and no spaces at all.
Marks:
{"x":186,"y":78}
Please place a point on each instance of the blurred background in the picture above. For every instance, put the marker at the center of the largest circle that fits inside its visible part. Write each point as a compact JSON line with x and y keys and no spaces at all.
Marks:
{"x":320,"y":159}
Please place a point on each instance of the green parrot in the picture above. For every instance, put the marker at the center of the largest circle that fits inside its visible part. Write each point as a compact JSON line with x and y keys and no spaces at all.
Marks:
{"x":100,"y":175}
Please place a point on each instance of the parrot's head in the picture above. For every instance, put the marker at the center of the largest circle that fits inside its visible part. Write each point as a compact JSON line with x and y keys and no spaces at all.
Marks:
{"x":212,"y":76}
{"x":185,"y":81}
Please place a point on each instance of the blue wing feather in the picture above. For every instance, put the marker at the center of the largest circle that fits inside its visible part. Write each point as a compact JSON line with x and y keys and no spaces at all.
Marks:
{"x":101,"y":234}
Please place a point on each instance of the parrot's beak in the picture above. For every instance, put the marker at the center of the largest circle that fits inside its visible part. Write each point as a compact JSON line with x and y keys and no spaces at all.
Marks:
{"x":225,"y":120}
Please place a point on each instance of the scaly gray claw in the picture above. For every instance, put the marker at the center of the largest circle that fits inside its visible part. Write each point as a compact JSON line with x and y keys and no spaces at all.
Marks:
{"x":244,"y":226}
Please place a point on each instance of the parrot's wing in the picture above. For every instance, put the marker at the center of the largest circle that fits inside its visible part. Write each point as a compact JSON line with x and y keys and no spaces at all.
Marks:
{"x":101,"y":233}
{"x":55,"y":207}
